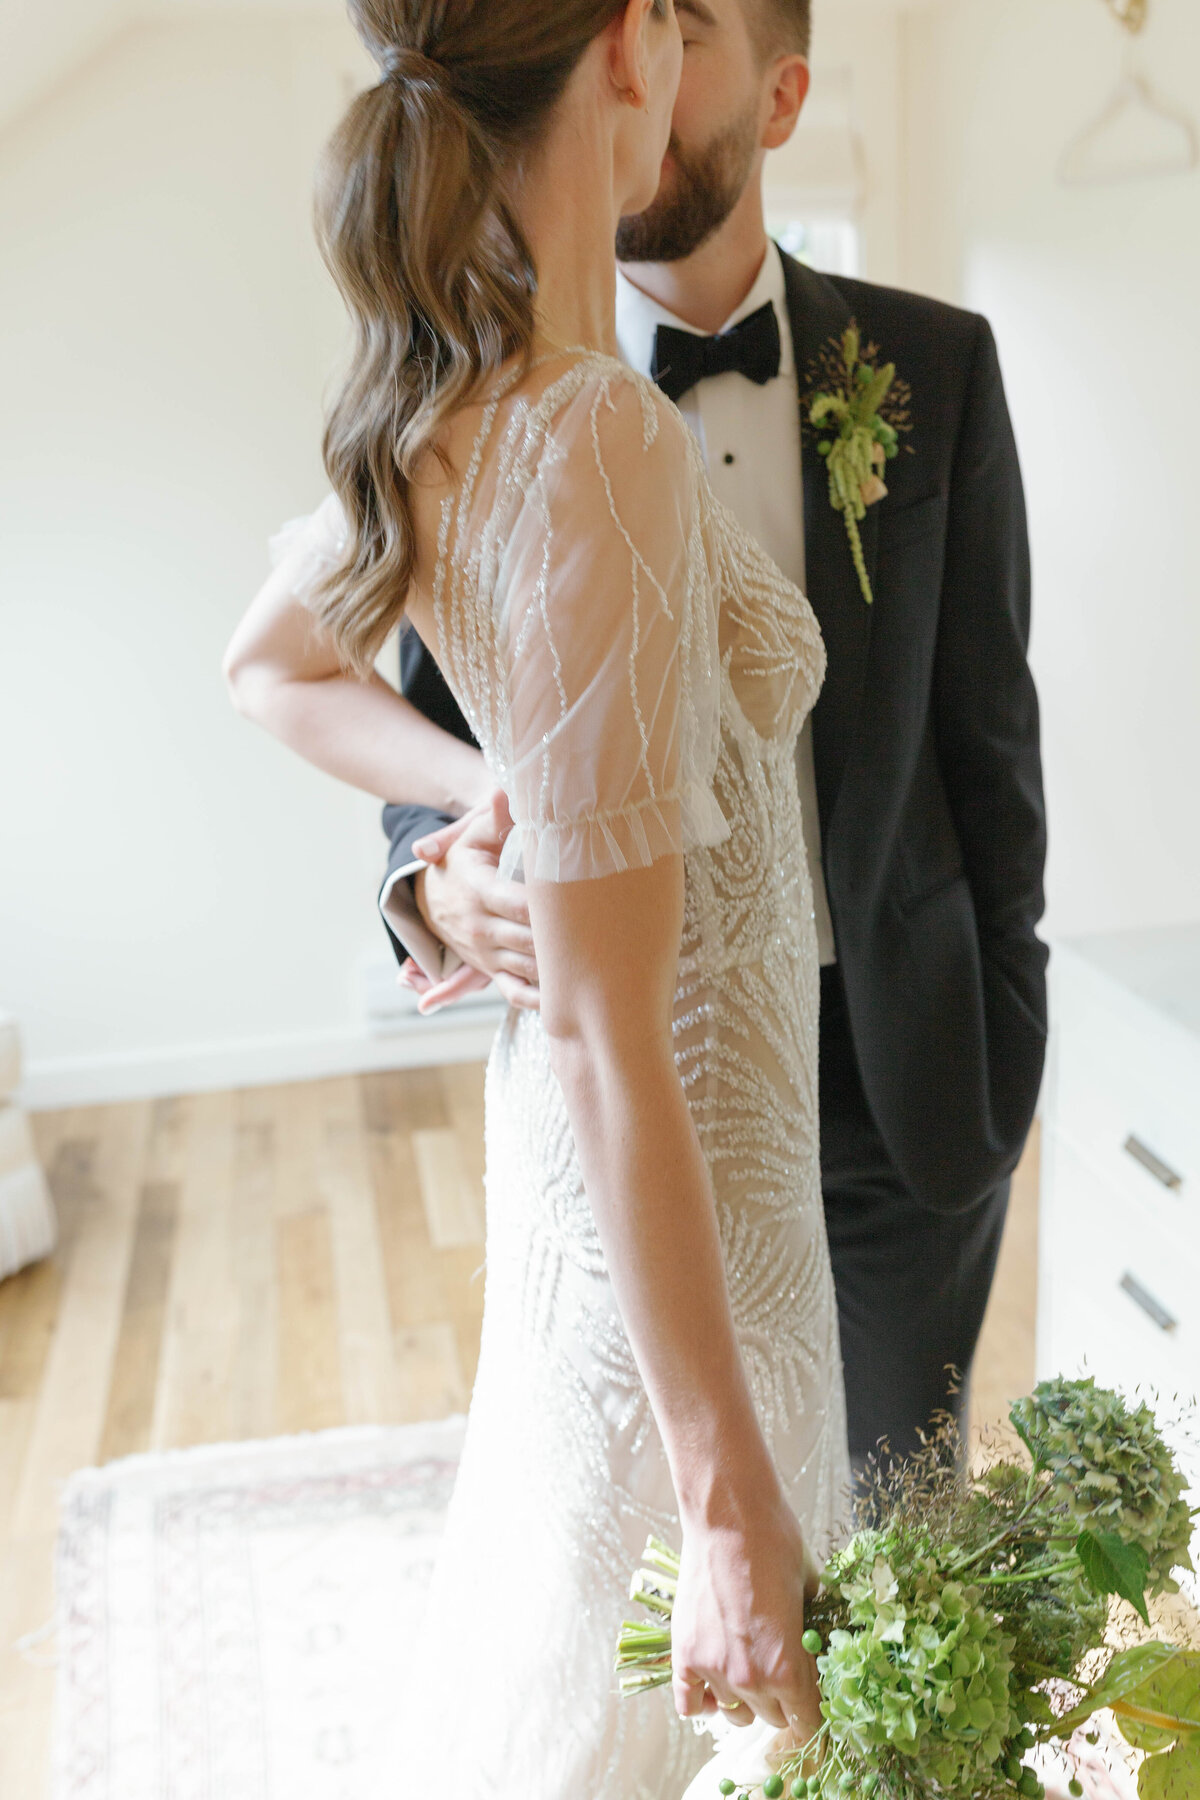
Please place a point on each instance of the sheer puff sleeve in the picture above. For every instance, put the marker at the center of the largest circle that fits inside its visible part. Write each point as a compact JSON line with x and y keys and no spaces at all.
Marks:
{"x":607,"y":637}
{"x":310,"y":547}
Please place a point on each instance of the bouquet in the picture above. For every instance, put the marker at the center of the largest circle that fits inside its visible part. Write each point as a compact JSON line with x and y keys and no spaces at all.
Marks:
{"x":974,"y":1617}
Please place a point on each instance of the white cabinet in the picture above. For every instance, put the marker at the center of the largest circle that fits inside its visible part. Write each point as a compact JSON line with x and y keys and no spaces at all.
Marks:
{"x":1120,"y":1229}
{"x":1119,"y":1245}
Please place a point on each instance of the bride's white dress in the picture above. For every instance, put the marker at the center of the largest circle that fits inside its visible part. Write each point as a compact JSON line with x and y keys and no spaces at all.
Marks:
{"x":637,"y":671}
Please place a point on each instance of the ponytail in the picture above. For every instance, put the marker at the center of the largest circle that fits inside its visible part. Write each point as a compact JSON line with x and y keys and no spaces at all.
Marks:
{"x":433,"y":267}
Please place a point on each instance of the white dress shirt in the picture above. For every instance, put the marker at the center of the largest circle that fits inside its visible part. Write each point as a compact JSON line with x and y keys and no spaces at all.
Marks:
{"x":750,"y":438}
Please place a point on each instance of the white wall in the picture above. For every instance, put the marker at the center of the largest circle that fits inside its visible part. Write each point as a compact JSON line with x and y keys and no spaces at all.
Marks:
{"x":39,"y":42}
{"x":1093,"y":295}
{"x":182,"y":902}
{"x":856,"y":70}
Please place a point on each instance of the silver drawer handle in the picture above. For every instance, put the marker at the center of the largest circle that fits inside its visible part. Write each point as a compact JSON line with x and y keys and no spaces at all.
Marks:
{"x":1150,"y":1306}
{"x":1160,"y":1170}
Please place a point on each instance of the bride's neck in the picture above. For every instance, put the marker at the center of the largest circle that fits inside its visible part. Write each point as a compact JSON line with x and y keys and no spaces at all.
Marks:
{"x":567,"y":210}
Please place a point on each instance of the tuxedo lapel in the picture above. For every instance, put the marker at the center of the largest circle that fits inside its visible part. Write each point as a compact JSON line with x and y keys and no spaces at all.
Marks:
{"x":817,"y":313}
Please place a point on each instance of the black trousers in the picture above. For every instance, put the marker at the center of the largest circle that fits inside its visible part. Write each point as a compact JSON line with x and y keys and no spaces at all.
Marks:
{"x":912,"y":1284}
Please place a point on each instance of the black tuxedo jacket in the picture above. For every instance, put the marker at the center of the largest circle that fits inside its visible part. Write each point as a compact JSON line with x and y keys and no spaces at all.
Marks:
{"x":925,"y":740}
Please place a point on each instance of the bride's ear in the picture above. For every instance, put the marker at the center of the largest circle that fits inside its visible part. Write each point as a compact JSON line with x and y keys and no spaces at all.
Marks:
{"x":627,"y":52}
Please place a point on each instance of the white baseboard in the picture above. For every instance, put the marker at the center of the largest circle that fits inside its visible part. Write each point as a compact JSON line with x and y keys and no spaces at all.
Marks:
{"x":461,"y":1034}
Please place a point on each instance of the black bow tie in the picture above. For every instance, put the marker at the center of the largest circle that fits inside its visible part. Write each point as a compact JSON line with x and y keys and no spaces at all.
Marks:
{"x":682,"y":358}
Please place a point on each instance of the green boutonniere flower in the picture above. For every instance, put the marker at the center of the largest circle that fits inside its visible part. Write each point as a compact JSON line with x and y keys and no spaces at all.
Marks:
{"x":860,"y":411}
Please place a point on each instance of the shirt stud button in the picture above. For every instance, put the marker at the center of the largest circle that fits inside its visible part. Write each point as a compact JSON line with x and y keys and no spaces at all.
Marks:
{"x":729,"y":456}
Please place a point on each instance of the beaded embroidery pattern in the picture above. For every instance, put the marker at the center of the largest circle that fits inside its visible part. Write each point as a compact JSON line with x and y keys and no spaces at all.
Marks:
{"x":563,"y":1471}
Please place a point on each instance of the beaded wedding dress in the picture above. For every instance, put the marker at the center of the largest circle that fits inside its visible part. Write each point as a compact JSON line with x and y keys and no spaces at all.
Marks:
{"x":636,"y":671}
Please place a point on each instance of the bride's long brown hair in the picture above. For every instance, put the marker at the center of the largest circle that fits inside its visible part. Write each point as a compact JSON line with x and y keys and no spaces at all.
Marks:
{"x":431,"y":263}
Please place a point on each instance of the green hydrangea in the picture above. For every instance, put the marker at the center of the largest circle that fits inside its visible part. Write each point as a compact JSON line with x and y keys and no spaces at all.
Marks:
{"x":1110,"y":1469}
{"x":924,"y":1671}
{"x":1055,"y":1622}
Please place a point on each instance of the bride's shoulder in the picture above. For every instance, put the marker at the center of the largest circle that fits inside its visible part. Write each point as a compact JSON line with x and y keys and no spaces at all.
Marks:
{"x":615,"y":419}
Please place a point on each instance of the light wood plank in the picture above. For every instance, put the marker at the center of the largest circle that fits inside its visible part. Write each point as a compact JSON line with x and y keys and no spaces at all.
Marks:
{"x":133,"y":1389}
{"x":16,"y":1434}
{"x":29,"y":1304}
{"x":463,"y":1084}
{"x":1004,"y":1361}
{"x":254,"y":1270}
{"x":308,"y":1392}
{"x":129,"y":1420}
{"x":425,"y":1286}
{"x":169,"y":1147}
{"x":49,"y":1130}
{"x":297,"y":1114}
{"x":95,"y":1176}
{"x":193,"y":1399}
{"x":431,"y":1376}
{"x":405,"y":1100}
{"x":310,"y":1375}
{"x":412,"y":1270}
{"x":370,"y":1377}
{"x":74,"y":1389}
{"x":30,"y":1299}
{"x":453,"y":1204}
{"x":26,"y":1673}
{"x":463,"y":1274}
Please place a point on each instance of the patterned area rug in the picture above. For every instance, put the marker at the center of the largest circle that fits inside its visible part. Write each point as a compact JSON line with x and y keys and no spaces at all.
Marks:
{"x":234,"y":1621}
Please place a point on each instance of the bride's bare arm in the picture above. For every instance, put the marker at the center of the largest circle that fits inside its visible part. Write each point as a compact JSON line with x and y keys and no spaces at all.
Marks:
{"x":283,"y":672}
{"x":607,"y":952}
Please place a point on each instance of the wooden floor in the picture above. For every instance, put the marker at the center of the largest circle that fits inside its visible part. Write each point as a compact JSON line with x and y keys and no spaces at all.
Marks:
{"x":244,"y":1264}
{"x":1004,"y":1362}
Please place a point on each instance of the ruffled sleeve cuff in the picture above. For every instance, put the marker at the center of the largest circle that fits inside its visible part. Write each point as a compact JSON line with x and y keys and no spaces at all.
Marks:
{"x":607,"y":843}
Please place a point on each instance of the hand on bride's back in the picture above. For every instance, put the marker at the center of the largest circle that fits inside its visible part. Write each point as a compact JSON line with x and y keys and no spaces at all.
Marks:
{"x":739,"y":1617}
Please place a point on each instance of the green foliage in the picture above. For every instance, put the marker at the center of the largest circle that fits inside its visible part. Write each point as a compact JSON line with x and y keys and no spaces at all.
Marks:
{"x":1114,"y":1567}
{"x":1175,"y":1776}
{"x":1055,"y":1619}
{"x":925,"y":1669}
{"x":1161,"y":1716}
{"x":1165,"y":1705}
{"x":1109,"y":1470}
{"x":1126,"y":1672}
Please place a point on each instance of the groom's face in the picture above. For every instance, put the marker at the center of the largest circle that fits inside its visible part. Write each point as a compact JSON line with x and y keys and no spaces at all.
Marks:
{"x":717,"y":130}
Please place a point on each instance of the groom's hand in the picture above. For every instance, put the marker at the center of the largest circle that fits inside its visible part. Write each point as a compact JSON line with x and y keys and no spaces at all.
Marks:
{"x":481,"y":917}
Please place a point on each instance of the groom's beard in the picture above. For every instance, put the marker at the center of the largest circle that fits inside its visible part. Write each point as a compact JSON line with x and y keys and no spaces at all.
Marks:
{"x":705,"y":187}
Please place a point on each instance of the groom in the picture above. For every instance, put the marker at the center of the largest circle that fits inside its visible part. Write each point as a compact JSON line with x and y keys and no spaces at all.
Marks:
{"x":919,"y":771}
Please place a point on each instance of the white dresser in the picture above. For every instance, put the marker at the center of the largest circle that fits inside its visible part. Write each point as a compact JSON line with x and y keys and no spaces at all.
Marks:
{"x":1119,"y":1250}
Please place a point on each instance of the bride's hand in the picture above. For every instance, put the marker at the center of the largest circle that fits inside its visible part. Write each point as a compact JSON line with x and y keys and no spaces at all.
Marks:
{"x":739,"y":1618}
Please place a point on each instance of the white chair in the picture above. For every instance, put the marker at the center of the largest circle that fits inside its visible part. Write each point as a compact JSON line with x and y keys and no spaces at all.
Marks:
{"x":28,"y":1226}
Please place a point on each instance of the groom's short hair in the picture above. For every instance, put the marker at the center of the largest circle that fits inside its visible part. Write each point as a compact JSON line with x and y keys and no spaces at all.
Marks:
{"x":781,"y":25}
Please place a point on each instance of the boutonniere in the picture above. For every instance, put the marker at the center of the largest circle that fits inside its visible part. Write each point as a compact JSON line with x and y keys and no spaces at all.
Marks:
{"x":858,"y":411}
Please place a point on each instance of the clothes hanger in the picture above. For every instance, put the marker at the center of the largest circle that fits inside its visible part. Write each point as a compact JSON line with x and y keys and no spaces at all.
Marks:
{"x":1138,"y":134}
{"x":1132,"y":14}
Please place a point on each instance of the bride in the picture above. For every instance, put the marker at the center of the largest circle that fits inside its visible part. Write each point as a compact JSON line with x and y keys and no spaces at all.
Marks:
{"x":659,"y":1349}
